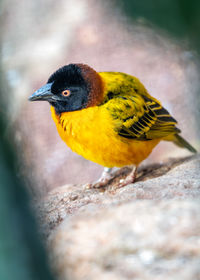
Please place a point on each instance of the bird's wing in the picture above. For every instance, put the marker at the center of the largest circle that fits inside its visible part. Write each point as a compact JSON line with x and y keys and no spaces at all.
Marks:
{"x":141,"y":117}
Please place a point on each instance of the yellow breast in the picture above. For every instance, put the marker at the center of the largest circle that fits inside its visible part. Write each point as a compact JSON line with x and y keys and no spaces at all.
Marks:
{"x":91,"y":133}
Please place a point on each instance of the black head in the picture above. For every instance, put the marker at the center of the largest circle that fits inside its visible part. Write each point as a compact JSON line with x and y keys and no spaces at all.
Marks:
{"x":70,"y":88}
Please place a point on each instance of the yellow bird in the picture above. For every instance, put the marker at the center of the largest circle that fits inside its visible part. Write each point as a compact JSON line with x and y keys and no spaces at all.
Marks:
{"x":107,"y":117}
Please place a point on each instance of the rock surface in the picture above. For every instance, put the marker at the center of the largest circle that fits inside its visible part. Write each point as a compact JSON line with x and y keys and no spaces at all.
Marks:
{"x":147,"y":230}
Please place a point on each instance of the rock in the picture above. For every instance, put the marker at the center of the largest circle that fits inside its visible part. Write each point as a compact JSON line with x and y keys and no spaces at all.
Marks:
{"x":141,"y":240}
{"x":146,"y":230}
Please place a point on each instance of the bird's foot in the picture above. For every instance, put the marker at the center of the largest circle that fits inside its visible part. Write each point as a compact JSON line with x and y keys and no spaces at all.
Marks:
{"x":130,"y":179}
{"x":105,"y":178}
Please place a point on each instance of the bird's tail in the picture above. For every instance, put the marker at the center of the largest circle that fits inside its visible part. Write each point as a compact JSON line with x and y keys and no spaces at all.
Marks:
{"x":181,"y":142}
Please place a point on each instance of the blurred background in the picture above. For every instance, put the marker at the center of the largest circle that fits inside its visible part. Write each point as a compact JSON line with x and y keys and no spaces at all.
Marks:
{"x":157,"y":41}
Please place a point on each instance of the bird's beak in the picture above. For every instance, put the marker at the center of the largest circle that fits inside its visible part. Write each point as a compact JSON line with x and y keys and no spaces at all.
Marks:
{"x":43,"y":93}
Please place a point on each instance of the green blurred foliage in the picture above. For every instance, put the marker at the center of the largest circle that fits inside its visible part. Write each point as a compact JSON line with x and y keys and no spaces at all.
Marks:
{"x":22,"y":254}
{"x":179,"y":17}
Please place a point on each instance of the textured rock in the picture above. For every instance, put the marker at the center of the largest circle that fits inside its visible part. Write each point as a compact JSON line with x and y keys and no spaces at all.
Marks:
{"x":147,"y":230}
{"x":176,"y":179}
{"x":140,"y":240}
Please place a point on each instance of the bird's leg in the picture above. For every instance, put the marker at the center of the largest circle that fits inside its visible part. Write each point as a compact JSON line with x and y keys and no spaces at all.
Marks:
{"x":106,"y":176}
{"x":129,"y":179}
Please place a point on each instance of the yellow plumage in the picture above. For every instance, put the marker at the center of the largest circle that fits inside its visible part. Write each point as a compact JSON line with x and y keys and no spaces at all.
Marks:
{"x":94,"y":132}
{"x":91,"y":134}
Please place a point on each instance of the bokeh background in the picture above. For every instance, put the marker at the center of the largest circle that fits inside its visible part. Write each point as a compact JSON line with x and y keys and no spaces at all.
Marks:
{"x":127,"y":36}
{"x":158,"y":41}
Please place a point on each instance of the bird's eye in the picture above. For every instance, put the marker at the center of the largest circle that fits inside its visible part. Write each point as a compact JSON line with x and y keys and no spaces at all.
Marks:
{"x":66,"y":92}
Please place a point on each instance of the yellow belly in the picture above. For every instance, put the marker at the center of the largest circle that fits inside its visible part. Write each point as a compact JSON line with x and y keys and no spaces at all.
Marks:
{"x":91,"y":133}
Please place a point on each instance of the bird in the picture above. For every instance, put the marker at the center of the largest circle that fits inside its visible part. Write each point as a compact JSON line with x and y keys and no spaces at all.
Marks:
{"x":108,"y":118}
